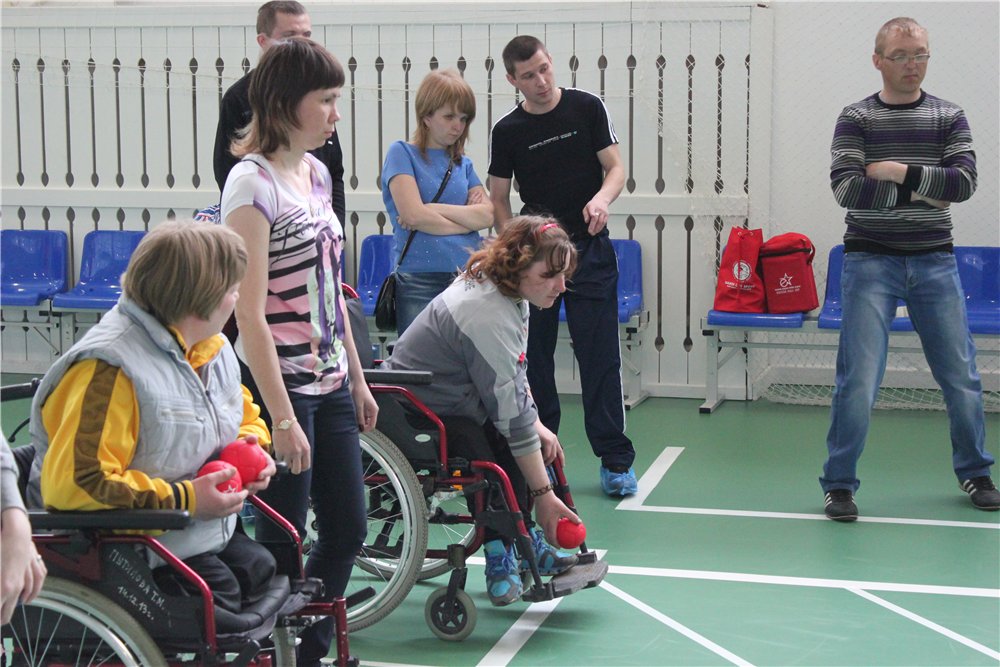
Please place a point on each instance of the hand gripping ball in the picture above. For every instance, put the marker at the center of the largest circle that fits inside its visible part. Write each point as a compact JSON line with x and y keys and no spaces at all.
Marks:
{"x":570,"y":535}
{"x":248,"y":457}
{"x":232,"y":485}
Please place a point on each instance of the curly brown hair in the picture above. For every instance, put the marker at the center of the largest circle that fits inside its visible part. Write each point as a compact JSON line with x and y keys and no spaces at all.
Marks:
{"x":525,"y":239}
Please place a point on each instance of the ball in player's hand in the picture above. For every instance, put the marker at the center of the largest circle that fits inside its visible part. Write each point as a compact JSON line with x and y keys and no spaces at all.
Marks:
{"x":232,"y":485}
{"x":570,"y":535}
{"x":248,"y":457}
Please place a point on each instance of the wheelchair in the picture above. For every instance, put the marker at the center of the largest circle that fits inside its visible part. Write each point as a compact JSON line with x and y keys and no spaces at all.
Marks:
{"x":420,"y":525}
{"x":101,"y":605}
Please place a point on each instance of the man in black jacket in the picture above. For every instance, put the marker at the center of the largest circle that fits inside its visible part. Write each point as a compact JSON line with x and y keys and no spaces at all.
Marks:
{"x":276,"y":20}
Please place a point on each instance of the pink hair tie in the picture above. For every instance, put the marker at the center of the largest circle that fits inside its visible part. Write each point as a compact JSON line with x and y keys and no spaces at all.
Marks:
{"x":547,"y":225}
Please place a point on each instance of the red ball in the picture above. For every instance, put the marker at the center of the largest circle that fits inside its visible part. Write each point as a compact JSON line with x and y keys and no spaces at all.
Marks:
{"x":570,"y":535}
{"x":248,"y":457}
{"x":232,"y":485}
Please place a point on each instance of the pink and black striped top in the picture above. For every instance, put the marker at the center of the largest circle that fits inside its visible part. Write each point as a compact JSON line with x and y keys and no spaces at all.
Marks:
{"x":303,"y":306}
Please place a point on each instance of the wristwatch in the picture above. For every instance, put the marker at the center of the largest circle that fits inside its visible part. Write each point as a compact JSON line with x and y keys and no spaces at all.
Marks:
{"x":285,"y":424}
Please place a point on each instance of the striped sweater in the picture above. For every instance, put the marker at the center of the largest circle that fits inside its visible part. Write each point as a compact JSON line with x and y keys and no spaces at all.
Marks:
{"x":932,"y":137}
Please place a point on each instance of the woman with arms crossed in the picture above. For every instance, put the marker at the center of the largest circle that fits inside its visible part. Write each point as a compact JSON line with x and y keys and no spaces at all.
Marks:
{"x":413,"y":173}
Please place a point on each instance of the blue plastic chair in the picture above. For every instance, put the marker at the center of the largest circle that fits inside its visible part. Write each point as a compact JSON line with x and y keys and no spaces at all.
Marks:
{"x":32,"y":265}
{"x":629,"y":254}
{"x":374,"y":264}
{"x":979,"y":271}
{"x":105,"y":257}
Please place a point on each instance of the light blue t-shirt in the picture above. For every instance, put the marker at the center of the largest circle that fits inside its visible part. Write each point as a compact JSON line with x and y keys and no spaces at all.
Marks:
{"x":429,"y":252}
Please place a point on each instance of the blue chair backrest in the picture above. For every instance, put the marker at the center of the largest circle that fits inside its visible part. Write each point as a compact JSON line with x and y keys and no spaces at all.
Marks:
{"x":629,"y":254}
{"x":32,"y":264}
{"x":834,"y":267}
{"x":979,"y":271}
{"x":374,"y":264}
{"x":105,"y":257}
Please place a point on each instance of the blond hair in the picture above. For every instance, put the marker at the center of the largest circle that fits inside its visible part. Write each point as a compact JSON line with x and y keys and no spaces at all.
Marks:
{"x":903,"y":24}
{"x":439,"y":89}
{"x":184,"y":268}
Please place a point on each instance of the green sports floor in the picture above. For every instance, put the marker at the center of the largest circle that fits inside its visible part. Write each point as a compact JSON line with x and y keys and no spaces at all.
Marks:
{"x":725,"y":558}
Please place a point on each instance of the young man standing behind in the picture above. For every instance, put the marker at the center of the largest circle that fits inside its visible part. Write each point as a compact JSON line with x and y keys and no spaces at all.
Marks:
{"x":560,"y":145}
{"x":276,"y":20}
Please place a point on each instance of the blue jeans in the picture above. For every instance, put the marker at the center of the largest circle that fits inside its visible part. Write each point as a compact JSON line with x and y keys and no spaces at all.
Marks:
{"x":334,"y":484}
{"x":414,"y":291}
{"x":929,"y":285}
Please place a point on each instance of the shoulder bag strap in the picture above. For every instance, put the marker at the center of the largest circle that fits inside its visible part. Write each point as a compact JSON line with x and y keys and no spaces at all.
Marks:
{"x":444,"y":182}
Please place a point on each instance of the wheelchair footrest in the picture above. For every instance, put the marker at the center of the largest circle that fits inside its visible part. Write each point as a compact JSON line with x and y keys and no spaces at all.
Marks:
{"x":578,"y":577}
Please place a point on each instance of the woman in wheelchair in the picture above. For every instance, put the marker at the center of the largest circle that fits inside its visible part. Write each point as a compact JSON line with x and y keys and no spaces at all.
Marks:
{"x":127,"y":417}
{"x":473,"y":337}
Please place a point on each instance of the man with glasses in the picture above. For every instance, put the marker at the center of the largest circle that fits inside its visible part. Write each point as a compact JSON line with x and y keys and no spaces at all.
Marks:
{"x":900,"y":158}
{"x":276,"y":20}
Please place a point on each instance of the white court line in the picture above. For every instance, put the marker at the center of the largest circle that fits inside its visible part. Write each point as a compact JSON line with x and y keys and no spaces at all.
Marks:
{"x":656,"y":472}
{"x":671,"y":623}
{"x":518,"y":635}
{"x":805,"y":581}
{"x":961,"y":639}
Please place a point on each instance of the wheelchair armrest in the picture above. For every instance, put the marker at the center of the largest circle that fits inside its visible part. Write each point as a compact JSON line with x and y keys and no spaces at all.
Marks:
{"x":13,"y":392}
{"x":380,"y":376}
{"x":110,"y":520}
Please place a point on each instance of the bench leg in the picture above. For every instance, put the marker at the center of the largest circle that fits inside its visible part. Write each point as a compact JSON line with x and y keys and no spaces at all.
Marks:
{"x":713,"y":398}
{"x":632,"y":390}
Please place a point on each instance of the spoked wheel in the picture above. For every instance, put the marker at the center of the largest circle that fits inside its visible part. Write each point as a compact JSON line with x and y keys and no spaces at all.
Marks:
{"x":450,"y":621}
{"x":70,"y":624}
{"x":442,"y":506}
{"x":393,"y":552}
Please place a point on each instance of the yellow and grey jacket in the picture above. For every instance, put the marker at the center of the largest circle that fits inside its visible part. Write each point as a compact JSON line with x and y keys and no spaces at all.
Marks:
{"x":127,"y":417}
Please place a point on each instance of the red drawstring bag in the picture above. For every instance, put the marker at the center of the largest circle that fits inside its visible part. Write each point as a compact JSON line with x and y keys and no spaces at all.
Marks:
{"x":786,"y":263}
{"x":740,"y":288}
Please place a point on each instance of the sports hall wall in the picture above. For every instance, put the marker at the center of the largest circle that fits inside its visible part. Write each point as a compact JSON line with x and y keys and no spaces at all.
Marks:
{"x":724,"y":111}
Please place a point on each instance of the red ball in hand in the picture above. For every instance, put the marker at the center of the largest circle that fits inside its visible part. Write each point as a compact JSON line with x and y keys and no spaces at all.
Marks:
{"x":232,"y":485}
{"x":247,"y":457}
{"x":570,"y":535}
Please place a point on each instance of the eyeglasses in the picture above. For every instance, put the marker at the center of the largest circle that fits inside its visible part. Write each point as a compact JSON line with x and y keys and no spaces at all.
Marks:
{"x":920,"y":59}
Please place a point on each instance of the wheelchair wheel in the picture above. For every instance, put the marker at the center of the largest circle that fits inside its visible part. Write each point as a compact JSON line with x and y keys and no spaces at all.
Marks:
{"x":393,"y":552}
{"x":450,"y":622}
{"x":70,"y":624}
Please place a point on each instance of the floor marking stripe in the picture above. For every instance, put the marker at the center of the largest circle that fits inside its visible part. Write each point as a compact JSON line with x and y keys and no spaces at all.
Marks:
{"x":658,"y":470}
{"x":804,"y":581}
{"x":651,"y":478}
{"x":817,"y":517}
{"x":974,"y":645}
{"x":518,"y":634}
{"x":671,"y":623}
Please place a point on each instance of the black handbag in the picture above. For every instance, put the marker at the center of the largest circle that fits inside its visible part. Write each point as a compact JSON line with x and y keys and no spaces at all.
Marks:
{"x":385,"y":304}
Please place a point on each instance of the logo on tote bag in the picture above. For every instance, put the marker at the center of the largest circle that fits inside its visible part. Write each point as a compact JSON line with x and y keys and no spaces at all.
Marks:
{"x":742,"y":271}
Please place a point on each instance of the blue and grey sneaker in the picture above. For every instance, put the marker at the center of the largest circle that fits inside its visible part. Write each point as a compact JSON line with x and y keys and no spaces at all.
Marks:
{"x":503,"y":581}
{"x":619,"y":482}
{"x":551,"y":561}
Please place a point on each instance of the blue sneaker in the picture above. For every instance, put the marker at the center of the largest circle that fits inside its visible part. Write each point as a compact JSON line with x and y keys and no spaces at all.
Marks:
{"x":619,"y":483}
{"x":551,"y":561}
{"x":503,"y":581}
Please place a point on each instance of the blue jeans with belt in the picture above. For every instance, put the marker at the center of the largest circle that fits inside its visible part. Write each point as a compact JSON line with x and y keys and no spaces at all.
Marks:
{"x":414,"y":291}
{"x":929,"y":285}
